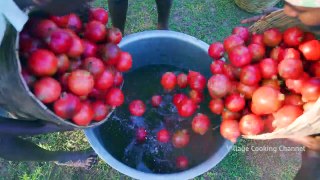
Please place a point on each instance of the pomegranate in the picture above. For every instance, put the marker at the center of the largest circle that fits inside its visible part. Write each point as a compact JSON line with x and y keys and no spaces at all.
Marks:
{"x":277,"y":54}
{"x":182,"y":162}
{"x":74,"y":22}
{"x":100,"y":109}
{"x":315,"y":69}
{"x":245,"y":90}
{"x":268,"y":123}
{"x":240,"y":56}
{"x":229,"y":115}
{"x":124,"y":62}
{"x":216,"y":50}
{"x":216,"y":106}
{"x":67,"y":106}
{"x":63,"y":63}
{"x":47,"y":90}
{"x":219,"y":85}
{"x":232,"y":42}
{"x":95,"y":31}
{"x":76,"y":48}
{"x":235,"y":102}
{"x":141,"y":135}
{"x":163,"y":136}
{"x":80,"y":82}
{"x":84,"y":116}
{"x":89,"y":49}
{"x":257,"y":39}
{"x":217,"y":67}
{"x":114,"y":35}
{"x":251,"y":124}
{"x":178,"y":98}
{"x":94,"y":65}
{"x":272,"y":37}
{"x":308,"y":36}
{"x":290,"y":68}
{"x":229,"y":129}
{"x":115,"y":97}
{"x":156,"y":100}
{"x":99,"y":14}
{"x":44,"y":28}
{"x":180,"y":138}
{"x":43,"y":63}
{"x":310,"y":50}
{"x":291,"y":53}
{"x":286,"y":115}
{"x":110,"y":53}
{"x":182,"y":80}
{"x":186,"y":108}
{"x":201,"y":123}
{"x":196,"y":96}
{"x":311,"y":89}
{"x":293,"y":36}
{"x":61,"y":21}
{"x":266,"y":100}
{"x":250,"y":75}
{"x":295,"y":85}
{"x":118,"y":79}
{"x":196,"y":81}
{"x":293,"y":99}
{"x":59,"y":41}
{"x":257,"y":51}
{"x":168,"y":81}
{"x":274,"y":83}
{"x":137,"y":108}
{"x":268,"y":68}
{"x":242,"y":32}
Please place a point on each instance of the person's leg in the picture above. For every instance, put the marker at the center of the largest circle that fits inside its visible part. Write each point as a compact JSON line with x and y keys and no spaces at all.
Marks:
{"x":17,"y":149}
{"x":28,"y":128}
{"x":118,"y":12}
{"x":310,"y":166}
{"x":163,"y":7}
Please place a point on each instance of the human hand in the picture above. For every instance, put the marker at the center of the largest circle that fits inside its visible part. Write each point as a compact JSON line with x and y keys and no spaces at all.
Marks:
{"x":310,"y":142}
{"x":257,"y":18}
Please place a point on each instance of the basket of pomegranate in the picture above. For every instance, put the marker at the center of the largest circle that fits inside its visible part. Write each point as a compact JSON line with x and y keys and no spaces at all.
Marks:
{"x":255,"y":6}
{"x":270,"y":85}
{"x":63,"y":69}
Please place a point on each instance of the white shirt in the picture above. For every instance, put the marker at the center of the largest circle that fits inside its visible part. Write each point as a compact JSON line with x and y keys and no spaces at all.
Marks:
{"x":11,"y":13}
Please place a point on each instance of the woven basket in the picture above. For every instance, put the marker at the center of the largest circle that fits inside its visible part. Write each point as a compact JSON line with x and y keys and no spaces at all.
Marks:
{"x":255,"y":6}
{"x":278,"y":20}
{"x":309,"y":122}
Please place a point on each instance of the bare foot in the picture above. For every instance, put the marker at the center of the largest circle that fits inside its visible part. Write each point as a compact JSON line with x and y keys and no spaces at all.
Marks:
{"x":82,"y":159}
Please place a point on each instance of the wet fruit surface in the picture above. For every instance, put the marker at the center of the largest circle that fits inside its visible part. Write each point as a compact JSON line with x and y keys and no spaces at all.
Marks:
{"x":156,"y":153}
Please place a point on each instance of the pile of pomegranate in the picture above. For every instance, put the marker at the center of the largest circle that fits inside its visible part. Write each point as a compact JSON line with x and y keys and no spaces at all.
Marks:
{"x":74,"y":67}
{"x":269,"y":81}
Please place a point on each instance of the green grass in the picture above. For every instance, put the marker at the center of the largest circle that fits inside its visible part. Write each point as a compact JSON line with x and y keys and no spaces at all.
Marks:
{"x":208,"y":20}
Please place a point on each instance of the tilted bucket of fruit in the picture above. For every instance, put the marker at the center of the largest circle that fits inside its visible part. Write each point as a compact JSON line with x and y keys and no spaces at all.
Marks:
{"x":270,"y":86}
{"x":255,"y":6}
{"x":165,"y":129}
{"x":62,"y":69}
